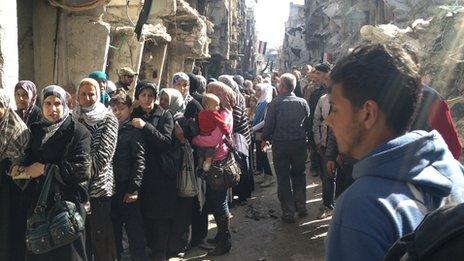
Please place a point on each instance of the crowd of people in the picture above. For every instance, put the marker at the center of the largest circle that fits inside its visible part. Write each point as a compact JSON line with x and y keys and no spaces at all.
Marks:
{"x":139,"y":167}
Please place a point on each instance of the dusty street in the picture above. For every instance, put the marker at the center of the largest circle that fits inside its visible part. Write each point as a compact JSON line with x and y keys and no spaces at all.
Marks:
{"x":258,"y":233}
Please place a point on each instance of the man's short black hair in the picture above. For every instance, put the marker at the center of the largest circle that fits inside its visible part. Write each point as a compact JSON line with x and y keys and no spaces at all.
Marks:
{"x":385,"y":74}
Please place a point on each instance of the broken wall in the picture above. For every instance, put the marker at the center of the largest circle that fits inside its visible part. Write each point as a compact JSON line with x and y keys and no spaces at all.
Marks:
{"x":294,"y":48}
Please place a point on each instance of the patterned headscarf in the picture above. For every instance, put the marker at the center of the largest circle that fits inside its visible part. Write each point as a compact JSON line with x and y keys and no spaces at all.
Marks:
{"x":31,"y":90}
{"x":229,"y":80}
{"x":226,"y":95}
{"x":94,"y":113}
{"x":60,"y":93}
{"x":14,"y":133}
{"x":176,"y":101}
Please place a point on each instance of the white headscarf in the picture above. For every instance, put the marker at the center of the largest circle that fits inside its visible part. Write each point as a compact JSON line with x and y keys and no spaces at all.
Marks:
{"x":266,"y":92}
{"x":94,"y":113}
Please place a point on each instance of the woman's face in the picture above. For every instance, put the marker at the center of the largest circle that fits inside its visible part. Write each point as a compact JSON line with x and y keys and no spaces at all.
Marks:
{"x":52,"y":109}
{"x":22,"y":99}
{"x":147,"y":99}
{"x":164,"y":101}
{"x":87,"y":95}
{"x":258,"y":92}
{"x":183,"y":87}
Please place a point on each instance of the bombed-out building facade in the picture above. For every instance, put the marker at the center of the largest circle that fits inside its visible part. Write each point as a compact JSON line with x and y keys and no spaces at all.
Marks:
{"x":62,"y":41}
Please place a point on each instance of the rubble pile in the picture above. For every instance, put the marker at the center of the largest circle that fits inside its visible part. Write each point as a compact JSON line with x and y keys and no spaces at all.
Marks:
{"x":438,"y":41}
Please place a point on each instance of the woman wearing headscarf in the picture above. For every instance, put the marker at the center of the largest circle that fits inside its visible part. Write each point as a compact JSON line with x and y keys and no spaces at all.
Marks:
{"x":201,"y":84}
{"x":181,"y":82}
{"x":103,"y":127}
{"x":14,"y":140}
{"x":194,"y":87}
{"x":242,"y":139}
{"x":159,"y":186}
{"x":62,"y":141}
{"x":26,"y":98}
{"x":179,"y":235}
{"x":218,"y":198}
{"x":172,"y":100}
{"x":264,"y":92}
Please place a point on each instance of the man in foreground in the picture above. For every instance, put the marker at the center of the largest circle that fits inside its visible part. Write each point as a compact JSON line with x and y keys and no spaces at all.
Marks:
{"x":399,"y":177}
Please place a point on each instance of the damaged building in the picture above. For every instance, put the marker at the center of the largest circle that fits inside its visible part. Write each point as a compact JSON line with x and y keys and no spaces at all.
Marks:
{"x":62,"y":41}
{"x":432,"y":28}
{"x":234,"y":38}
{"x":294,"y":51}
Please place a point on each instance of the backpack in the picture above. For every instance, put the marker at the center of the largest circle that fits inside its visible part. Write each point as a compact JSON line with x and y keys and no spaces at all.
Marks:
{"x":440,"y":236}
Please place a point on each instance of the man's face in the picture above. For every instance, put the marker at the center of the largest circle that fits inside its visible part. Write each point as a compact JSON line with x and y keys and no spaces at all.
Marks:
{"x":321,"y":77}
{"x":127,"y":79}
{"x":344,"y":122}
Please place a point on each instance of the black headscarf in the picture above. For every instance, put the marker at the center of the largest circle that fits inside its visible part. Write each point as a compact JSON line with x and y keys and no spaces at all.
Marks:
{"x":194,"y":83}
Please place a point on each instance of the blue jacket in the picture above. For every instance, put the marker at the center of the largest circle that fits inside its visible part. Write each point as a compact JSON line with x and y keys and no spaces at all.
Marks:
{"x":395,"y":185}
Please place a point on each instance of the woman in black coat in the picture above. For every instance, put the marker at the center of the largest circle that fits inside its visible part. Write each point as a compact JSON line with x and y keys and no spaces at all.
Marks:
{"x":61,"y":141}
{"x":159,"y":186}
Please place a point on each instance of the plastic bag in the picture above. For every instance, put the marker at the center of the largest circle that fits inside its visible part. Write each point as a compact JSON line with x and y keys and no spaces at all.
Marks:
{"x":187,"y":185}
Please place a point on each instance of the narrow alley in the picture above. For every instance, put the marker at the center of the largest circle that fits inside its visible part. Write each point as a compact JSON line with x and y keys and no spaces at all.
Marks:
{"x":260,"y":235}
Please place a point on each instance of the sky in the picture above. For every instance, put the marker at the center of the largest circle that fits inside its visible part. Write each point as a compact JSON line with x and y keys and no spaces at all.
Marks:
{"x":271,"y":16}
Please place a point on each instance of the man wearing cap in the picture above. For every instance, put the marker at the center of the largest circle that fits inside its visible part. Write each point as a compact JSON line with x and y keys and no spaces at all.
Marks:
{"x":126,"y":77}
{"x":102,"y":80}
{"x":321,"y":78}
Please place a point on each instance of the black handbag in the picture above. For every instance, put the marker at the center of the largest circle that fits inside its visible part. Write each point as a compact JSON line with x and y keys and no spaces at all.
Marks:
{"x":225,"y":173}
{"x":52,"y":227}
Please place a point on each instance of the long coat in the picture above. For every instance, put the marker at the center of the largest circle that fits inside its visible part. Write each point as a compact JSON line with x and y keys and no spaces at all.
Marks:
{"x":159,"y":186}
{"x":69,"y":149}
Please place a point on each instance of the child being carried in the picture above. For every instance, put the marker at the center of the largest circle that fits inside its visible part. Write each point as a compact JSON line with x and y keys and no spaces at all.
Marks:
{"x":209,"y":120}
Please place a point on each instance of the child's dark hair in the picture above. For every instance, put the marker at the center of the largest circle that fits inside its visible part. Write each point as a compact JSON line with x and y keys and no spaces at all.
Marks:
{"x":121,"y":99}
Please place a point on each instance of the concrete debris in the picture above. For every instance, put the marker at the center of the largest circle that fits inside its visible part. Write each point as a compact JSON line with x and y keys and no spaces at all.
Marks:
{"x":258,"y":212}
{"x":157,"y":32}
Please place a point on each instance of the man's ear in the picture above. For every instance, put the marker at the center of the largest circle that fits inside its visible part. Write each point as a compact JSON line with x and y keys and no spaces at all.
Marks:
{"x":370,"y":114}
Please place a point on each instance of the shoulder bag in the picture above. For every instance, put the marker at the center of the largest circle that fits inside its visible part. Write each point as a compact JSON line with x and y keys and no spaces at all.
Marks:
{"x":52,"y":227}
{"x":225,"y":173}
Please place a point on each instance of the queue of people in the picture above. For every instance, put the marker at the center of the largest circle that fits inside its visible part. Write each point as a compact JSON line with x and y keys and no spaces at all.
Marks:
{"x":147,"y":170}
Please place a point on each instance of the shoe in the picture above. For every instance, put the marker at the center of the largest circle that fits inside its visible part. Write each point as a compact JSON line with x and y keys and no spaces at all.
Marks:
{"x":224,"y":243}
{"x":213,"y":240}
{"x":268,"y":181}
{"x":302,"y":213}
{"x":206,"y":246}
{"x":288,"y":218}
{"x":325,"y":213}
